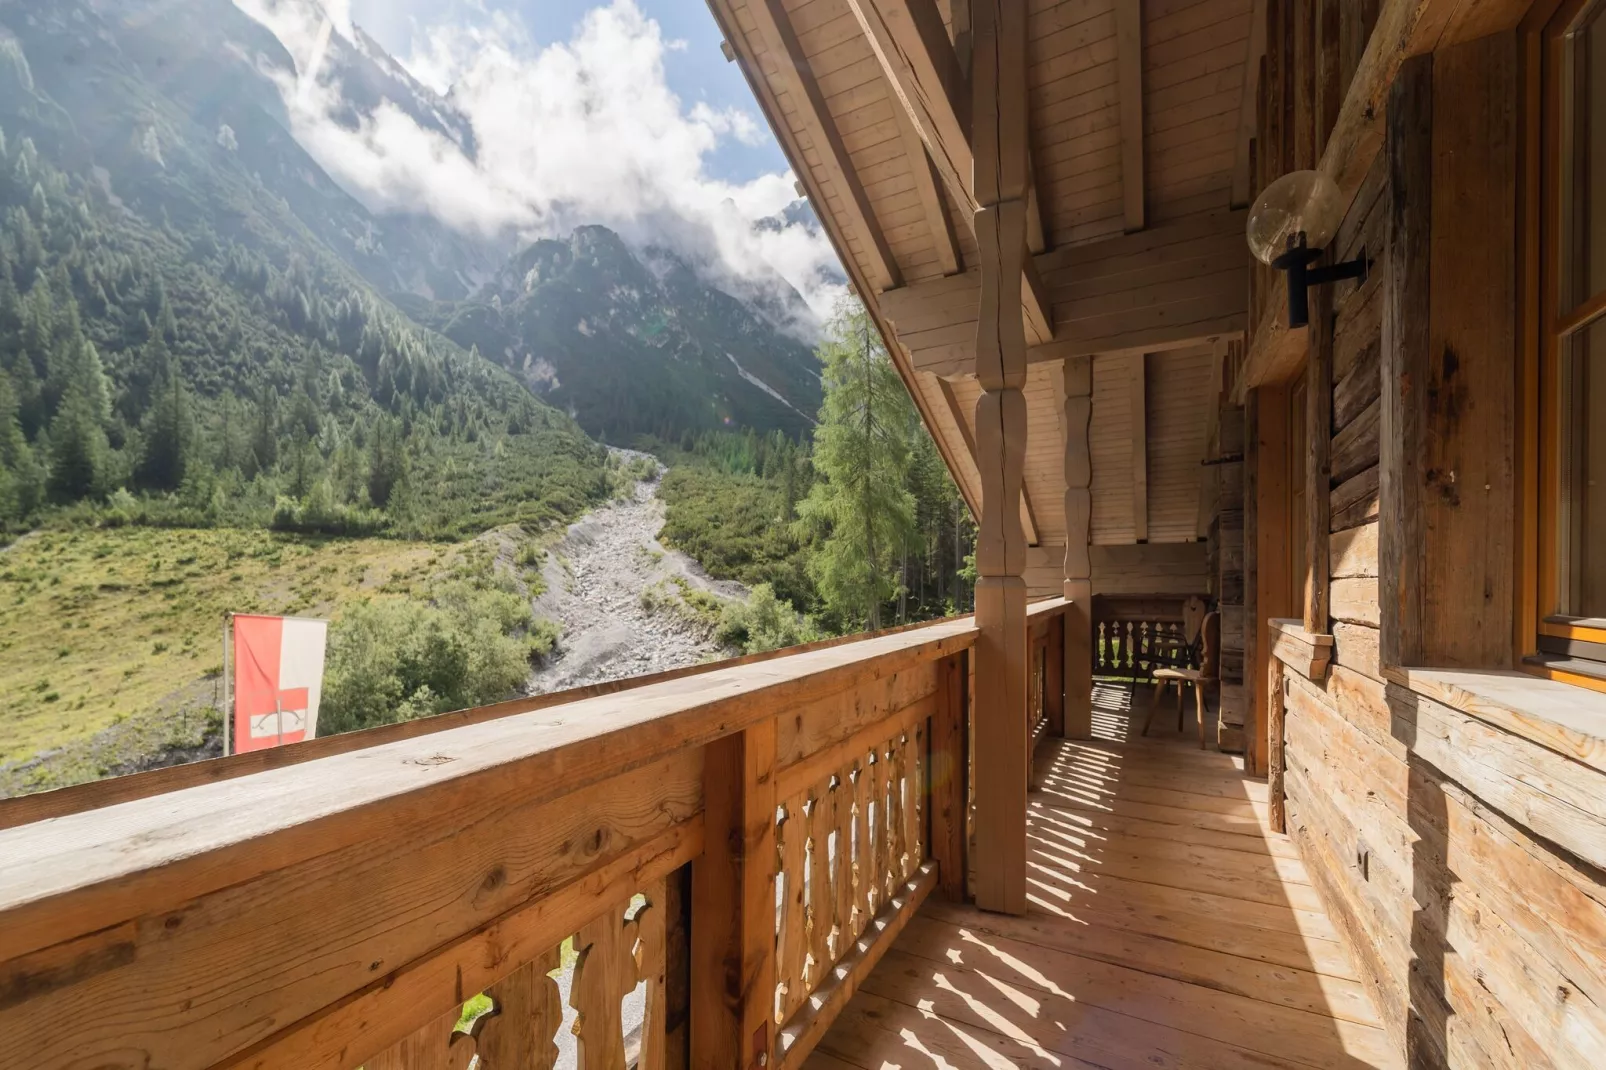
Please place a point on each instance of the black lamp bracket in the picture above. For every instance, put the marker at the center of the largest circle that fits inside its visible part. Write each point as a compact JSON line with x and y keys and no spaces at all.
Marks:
{"x":1301,"y":276}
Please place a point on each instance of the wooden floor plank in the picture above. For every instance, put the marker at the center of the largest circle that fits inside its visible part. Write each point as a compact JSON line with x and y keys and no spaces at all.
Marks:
{"x":1166,"y":927}
{"x":1017,"y":989}
{"x":1104,"y":823}
{"x":1050,"y":861}
{"x":1166,"y":851}
{"x":1297,"y":990}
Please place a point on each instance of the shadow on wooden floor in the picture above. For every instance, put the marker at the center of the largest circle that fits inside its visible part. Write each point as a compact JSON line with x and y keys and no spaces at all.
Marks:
{"x":1168,"y":927}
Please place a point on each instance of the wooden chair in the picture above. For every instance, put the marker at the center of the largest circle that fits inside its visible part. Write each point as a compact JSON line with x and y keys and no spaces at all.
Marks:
{"x":1206,"y":636}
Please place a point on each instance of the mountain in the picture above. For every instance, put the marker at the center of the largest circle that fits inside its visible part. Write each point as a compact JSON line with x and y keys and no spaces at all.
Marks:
{"x":635,"y":343}
{"x":188,"y":304}
{"x":185,"y":290}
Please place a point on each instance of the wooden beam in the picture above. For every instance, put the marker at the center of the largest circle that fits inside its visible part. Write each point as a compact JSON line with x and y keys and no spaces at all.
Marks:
{"x":948,"y":779}
{"x":1404,"y":28}
{"x":793,"y":76}
{"x":1254,"y":679}
{"x":1318,"y":468}
{"x":1241,"y":164}
{"x":1129,"y":76}
{"x":1137,"y":408}
{"x":1173,"y":285}
{"x":929,"y":191}
{"x":923,"y":69}
{"x":1002,"y":741}
{"x":1077,"y":375}
{"x":733,"y":905}
{"x":1273,"y":585}
{"x":1036,"y":235}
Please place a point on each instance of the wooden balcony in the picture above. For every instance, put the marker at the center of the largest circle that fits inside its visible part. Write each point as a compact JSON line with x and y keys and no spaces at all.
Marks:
{"x":765,"y":859}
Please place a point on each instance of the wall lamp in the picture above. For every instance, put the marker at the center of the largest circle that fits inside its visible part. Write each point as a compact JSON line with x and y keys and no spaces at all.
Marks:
{"x":1290,"y":223}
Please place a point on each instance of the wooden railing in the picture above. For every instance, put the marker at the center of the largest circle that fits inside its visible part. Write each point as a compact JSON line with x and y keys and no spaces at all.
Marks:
{"x":743,"y":842}
{"x":1132,"y":638}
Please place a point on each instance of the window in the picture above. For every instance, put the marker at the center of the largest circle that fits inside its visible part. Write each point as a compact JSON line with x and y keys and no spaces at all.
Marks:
{"x":1570,"y":587}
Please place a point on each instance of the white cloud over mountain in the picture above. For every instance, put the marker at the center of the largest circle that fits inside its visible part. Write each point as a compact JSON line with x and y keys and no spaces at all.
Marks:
{"x":582,"y":131}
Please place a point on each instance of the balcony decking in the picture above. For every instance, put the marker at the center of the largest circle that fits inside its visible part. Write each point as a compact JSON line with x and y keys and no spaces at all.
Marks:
{"x":1168,"y":927}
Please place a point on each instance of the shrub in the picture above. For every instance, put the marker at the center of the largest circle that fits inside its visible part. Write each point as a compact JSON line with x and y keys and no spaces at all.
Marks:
{"x":763,"y":622}
{"x":394,"y":660}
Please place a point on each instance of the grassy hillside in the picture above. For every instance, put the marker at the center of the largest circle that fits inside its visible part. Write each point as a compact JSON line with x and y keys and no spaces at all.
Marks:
{"x":111,"y":640}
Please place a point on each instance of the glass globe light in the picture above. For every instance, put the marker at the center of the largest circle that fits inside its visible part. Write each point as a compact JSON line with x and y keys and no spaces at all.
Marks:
{"x":1302,"y":209}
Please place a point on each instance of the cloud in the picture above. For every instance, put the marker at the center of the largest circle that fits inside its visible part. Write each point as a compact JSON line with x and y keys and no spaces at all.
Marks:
{"x":582,"y":131}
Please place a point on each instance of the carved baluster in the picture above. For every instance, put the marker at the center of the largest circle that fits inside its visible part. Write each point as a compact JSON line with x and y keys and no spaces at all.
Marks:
{"x":863,"y":775}
{"x":604,"y":973}
{"x":652,"y":966}
{"x":792,"y":944}
{"x":437,"y":1046}
{"x":880,"y":847}
{"x":843,"y":810}
{"x":821,"y":911}
{"x":527,"y":1008}
{"x":914,"y":800}
{"x":897,"y":853}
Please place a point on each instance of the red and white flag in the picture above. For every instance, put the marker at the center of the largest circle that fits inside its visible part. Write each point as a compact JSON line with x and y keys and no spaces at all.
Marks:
{"x":278,"y":675}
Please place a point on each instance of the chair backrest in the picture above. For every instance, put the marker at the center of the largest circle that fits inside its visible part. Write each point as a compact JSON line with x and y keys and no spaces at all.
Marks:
{"x":1193,"y":615}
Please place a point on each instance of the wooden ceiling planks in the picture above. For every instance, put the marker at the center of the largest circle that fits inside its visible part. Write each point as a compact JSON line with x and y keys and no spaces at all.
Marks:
{"x":886,"y":78}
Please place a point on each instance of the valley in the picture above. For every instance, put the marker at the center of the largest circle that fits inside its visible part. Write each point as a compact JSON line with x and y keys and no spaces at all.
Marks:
{"x":499,"y":463}
{"x":626,"y":606}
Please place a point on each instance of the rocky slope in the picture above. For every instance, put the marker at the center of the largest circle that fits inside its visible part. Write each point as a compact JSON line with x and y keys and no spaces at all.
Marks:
{"x":627,"y":605}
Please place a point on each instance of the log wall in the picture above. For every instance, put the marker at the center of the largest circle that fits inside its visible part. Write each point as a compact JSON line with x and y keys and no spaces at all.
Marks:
{"x":1461,"y":857}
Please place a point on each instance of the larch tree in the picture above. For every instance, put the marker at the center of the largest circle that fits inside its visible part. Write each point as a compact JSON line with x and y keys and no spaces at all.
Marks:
{"x":860,"y":510}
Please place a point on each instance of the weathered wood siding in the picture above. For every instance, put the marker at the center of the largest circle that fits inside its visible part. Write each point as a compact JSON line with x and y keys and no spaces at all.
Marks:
{"x":1461,"y":860}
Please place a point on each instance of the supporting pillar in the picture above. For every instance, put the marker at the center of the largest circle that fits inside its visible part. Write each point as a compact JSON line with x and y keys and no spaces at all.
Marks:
{"x":1078,"y":565}
{"x":998,"y":79}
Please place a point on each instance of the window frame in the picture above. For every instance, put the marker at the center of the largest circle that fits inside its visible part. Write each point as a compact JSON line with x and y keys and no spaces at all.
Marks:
{"x":1544,"y":636}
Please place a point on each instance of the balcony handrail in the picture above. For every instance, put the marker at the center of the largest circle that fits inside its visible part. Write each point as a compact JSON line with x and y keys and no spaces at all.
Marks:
{"x":25,"y":809}
{"x":429,"y":864}
{"x":186,"y":835}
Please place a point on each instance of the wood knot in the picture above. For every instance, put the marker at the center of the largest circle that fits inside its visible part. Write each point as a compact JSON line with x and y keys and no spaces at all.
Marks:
{"x":494,"y":879}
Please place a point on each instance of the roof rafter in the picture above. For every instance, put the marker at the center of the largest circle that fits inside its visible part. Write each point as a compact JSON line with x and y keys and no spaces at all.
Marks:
{"x":923,"y":69}
{"x":1255,"y":48}
{"x":928,"y":185}
{"x":1129,"y":65}
{"x":795,"y":77}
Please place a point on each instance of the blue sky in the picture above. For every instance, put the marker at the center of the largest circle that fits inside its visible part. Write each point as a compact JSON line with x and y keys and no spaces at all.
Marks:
{"x":697,"y":72}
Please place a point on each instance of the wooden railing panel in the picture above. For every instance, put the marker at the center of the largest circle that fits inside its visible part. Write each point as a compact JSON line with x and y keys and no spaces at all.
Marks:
{"x":1128,"y":648}
{"x":848,"y":841}
{"x":223,"y":971}
{"x":335,"y":913}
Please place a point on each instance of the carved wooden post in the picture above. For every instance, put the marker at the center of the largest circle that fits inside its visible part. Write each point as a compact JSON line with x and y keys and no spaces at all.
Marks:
{"x":1078,"y":633}
{"x":999,"y":131}
{"x":946,"y":776}
{"x":733,"y":905}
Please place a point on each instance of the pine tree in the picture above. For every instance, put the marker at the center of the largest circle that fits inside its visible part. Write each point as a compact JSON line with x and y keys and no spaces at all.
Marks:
{"x":387,"y":462}
{"x":21,"y":482}
{"x":169,"y":426}
{"x":860,"y":505}
{"x":77,"y":449}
